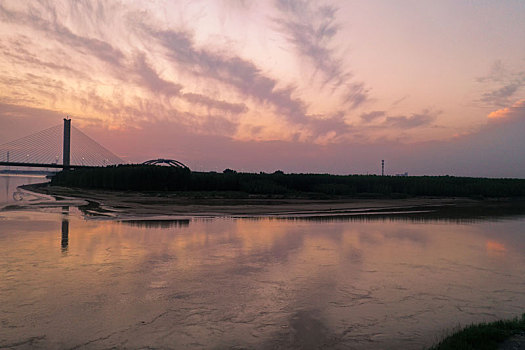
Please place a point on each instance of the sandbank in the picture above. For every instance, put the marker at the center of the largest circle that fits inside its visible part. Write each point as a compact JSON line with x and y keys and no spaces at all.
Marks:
{"x":131,"y":204}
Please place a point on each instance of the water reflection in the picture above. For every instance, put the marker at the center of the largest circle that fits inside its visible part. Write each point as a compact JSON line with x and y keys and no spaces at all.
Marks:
{"x":359,"y":282}
{"x":18,"y":196}
{"x":237,"y":283}
{"x":164,"y":223}
{"x":495,"y":247}
{"x":470,"y":214}
{"x":64,"y":243}
{"x":6,"y":190}
{"x":9,"y":186}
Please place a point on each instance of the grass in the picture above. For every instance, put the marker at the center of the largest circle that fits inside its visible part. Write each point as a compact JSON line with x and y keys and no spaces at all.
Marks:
{"x":483,"y":336}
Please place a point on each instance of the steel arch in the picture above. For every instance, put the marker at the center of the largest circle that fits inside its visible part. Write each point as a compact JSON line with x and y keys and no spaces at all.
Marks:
{"x":170,"y":162}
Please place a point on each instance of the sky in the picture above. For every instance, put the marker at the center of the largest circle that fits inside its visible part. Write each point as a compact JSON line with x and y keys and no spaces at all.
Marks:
{"x":431,"y":87}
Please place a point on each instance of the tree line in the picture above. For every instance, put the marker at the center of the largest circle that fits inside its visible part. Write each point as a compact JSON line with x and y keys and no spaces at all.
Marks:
{"x":161,"y":178}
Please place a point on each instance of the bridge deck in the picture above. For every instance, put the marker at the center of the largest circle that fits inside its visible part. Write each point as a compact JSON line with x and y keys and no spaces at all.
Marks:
{"x":38,"y":165}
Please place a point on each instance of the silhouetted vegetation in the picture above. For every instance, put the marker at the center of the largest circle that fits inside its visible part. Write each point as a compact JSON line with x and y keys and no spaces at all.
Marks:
{"x":484,"y":336}
{"x":159,"y":178}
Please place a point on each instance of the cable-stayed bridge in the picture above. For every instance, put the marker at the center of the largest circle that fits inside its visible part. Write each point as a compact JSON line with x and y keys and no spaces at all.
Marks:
{"x":61,"y":146}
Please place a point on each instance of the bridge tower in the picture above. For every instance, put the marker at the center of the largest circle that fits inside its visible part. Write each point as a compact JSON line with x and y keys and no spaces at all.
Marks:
{"x":66,"y":154}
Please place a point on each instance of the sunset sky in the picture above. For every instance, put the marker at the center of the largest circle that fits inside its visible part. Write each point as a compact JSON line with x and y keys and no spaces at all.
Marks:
{"x":432,"y":87}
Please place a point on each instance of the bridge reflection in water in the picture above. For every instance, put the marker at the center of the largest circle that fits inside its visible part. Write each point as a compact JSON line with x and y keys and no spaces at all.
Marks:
{"x":64,"y":243}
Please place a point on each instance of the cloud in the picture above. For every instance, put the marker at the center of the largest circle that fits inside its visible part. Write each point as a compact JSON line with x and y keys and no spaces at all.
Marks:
{"x":310,"y":30}
{"x":497,"y":73}
{"x":218,"y":125}
{"x":150,"y":79}
{"x":244,"y":76}
{"x":413,"y":121}
{"x":310,"y":27}
{"x":126,"y":104}
{"x":234,"y":108}
{"x":118,"y":65}
{"x":399,"y":100}
{"x":501,"y":96}
{"x":150,"y":70}
{"x":19,"y":121}
{"x":371,"y":116}
{"x":329,"y":129}
{"x":503,"y":84}
{"x":89,"y":46}
{"x":516,"y":111}
{"x":494,"y":150}
{"x":16,"y":51}
{"x":30,"y":89}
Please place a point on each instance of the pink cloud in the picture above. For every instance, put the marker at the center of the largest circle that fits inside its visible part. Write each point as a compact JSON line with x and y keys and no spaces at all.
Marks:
{"x":517,"y":110}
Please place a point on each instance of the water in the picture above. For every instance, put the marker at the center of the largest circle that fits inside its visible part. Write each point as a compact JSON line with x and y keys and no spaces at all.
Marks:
{"x":394,"y":283}
{"x":9,"y":183}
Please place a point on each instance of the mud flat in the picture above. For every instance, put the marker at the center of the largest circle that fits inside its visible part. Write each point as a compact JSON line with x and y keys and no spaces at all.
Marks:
{"x":129,"y":204}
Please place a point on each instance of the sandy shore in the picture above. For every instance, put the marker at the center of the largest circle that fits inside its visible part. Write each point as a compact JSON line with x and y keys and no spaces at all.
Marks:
{"x":130,"y":204}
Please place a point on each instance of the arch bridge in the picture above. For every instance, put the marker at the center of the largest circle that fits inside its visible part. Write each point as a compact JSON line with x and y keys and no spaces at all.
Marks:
{"x":169,"y":162}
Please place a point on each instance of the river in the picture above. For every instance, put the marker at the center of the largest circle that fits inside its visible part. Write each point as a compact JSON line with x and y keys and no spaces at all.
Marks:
{"x":348,"y":283}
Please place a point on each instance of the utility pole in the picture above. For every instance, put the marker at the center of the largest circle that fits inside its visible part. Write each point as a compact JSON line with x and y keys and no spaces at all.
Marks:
{"x":382,"y":167}
{"x":66,"y":155}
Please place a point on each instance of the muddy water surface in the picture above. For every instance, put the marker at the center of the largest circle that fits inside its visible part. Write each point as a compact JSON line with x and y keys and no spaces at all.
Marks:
{"x":348,"y":283}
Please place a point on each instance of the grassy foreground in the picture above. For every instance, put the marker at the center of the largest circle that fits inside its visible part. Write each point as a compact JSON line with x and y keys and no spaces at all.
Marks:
{"x":483,"y":336}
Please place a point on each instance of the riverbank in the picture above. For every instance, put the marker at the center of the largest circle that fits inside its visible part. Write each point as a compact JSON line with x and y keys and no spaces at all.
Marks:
{"x":128,"y":204}
{"x":157,"y":178}
{"x":499,"y":335}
